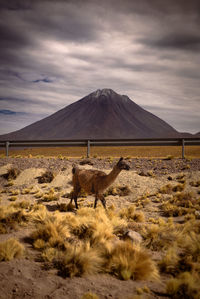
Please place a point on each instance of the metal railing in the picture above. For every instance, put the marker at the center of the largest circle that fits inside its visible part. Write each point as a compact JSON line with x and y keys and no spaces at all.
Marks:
{"x":101,"y":142}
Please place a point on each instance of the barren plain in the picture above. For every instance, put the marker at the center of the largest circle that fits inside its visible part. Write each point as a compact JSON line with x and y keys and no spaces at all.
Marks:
{"x":95,"y":253}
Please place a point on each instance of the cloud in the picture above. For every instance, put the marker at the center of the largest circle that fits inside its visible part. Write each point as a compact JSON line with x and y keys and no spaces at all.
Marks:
{"x":175,"y":41}
{"x":7,"y":112}
{"x":55,"y":52}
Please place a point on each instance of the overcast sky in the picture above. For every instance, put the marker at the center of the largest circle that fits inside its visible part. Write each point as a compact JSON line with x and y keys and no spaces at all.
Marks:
{"x":54,"y":52}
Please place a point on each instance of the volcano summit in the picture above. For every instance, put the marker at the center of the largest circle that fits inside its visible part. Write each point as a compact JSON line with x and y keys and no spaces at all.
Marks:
{"x":103,"y":114}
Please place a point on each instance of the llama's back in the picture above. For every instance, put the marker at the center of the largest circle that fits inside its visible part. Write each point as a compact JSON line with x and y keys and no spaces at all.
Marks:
{"x":87,"y":179}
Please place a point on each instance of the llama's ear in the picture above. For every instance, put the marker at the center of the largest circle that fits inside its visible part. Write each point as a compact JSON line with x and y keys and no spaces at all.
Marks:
{"x":121,"y":159}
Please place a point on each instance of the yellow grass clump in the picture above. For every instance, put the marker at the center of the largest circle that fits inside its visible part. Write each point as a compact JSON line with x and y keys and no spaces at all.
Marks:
{"x":127,"y":261}
{"x":12,"y":174}
{"x":51,"y":195}
{"x":46,"y":177}
{"x":160,"y":236}
{"x":10,"y":249}
{"x":93,"y":225}
{"x":181,"y":203}
{"x":52,"y":232}
{"x":78,"y":261}
{"x":130,"y":213}
{"x":166,"y":189}
{"x":15,"y":192}
{"x":26,"y":191}
{"x":85,"y":243}
{"x":89,"y":295}
{"x":11,"y":217}
{"x":185,"y":285}
{"x":118,"y":190}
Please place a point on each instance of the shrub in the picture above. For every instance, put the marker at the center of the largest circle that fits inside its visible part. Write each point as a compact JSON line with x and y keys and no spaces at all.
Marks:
{"x":119,"y":190}
{"x":46,"y":177}
{"x":169,"y":157}
{"x":127,"y":261}
{"x":89,"y":295}
{"x":178,"y":188}
{"x":166,"y":189}
{"x":10,"y":249}
{"x":53,"y":232}
{"x":78,"y":261}
{"x":184,"y":286}
{"x":11,"y":217}
{"x":51,"y":195}
{"x":11,"y":174}
{"x":129,"y":213}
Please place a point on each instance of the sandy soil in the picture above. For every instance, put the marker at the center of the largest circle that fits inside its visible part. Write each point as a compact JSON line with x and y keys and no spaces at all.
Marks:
{"x":25,"y":277}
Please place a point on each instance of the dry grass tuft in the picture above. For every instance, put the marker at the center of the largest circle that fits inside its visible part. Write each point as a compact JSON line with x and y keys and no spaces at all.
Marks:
{"x":92,"y":225}
{"x":169,"y":157}
{"x":26,"y":191}
{"x":160,"y":236}
{"x":185,"y":285}
{"x":15,"y":192}
{"x":53,"y":232}
{"x":46,"y":177}
{"x":127,"y":261}
{"x":10,"y":249}
{"x":51,"y":195}
{"x":181,"y":203}
{"x":12,"y":198}
{"x":195,"y":184}
{"x":178,"y":188}
{"x":118,"y":190}
{"x":63,"y":207}
{"x":78,"y":261}
{"x":169,"y":262}
{"x":129,"y":213}
{"x":11,"y":174}
{"x":166,"y":189}
{"x":10,"y":217}
{"x":89,"y":295}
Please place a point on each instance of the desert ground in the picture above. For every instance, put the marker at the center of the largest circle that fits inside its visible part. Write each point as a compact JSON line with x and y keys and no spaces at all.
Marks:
{"x":145,"y":245}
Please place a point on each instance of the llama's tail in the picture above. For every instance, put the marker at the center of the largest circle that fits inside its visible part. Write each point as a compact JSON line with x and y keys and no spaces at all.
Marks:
{"x":74,"y":168}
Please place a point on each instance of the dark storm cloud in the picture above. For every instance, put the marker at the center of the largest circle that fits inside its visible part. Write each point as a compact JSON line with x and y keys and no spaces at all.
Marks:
{"x":7,"y":112}
{"x":55,"y":52}
{"x":174,"y":41}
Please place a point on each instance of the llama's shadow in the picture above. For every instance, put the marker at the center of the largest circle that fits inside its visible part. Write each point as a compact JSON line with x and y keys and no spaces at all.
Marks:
{"x":52,"y":208}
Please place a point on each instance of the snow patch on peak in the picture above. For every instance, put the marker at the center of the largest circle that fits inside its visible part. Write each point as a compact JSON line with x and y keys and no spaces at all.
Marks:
{"x":103,"y":92}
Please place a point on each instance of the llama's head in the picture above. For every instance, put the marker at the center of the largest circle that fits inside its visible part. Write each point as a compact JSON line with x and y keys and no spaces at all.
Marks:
{"x":122,"y":165}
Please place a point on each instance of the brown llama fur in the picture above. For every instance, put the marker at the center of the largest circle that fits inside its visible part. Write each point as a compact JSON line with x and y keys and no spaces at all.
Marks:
{"x":95,"y":181}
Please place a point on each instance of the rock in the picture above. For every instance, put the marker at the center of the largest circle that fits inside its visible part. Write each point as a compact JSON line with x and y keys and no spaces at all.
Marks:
{"x":135,"y":237}
{"x":86,"y":161}
{"x":197,"y":214}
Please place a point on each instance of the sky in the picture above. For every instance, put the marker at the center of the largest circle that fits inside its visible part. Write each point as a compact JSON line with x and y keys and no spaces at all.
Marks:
{"x":54,"y":52}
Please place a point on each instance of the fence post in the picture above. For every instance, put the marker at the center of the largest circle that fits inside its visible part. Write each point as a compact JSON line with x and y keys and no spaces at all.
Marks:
{"x":7,"y":148}
{"x":88,"y":148}
{"x":183,"y":149}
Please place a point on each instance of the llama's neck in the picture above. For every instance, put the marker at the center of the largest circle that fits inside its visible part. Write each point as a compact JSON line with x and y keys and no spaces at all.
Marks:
{"x":113,"y":175}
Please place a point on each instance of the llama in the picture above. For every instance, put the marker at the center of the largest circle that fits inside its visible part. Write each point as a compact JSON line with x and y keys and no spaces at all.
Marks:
{"x":95,"y":181}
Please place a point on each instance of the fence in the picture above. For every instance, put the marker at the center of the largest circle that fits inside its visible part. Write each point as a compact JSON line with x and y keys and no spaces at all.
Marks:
{"x":101,"y":142}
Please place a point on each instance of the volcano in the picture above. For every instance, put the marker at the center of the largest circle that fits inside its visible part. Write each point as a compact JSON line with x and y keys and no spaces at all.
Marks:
{"x":103,"y":114}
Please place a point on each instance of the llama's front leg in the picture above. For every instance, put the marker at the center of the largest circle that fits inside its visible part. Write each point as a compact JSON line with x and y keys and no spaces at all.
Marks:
{"x":103,"y":201}
{"x":96,"y":200}
{"x":74,"y":197}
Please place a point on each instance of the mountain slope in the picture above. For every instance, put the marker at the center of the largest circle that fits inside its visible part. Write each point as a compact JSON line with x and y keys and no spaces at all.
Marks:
{"x":101,"y":114}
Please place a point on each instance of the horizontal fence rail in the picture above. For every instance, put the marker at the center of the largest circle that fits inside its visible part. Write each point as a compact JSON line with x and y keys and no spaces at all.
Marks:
{"x":101,"y":142}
